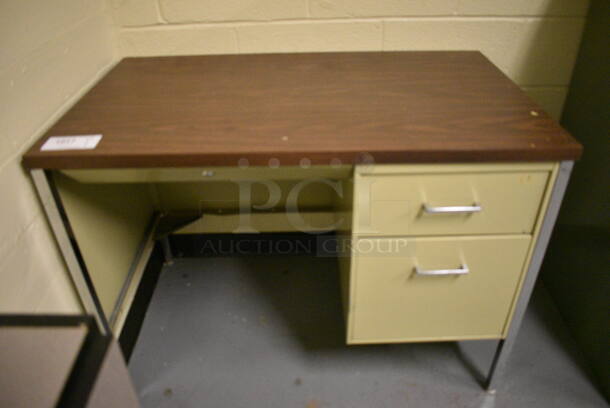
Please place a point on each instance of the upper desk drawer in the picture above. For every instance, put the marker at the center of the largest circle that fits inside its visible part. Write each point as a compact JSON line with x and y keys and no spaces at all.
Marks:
{"x":449,"y":199}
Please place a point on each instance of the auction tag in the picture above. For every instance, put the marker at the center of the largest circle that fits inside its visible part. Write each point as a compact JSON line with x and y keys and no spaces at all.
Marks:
{"x":76,"y":142}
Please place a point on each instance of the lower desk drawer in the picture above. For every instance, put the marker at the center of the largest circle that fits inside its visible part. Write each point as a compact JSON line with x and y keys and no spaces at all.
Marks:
{"x":390,"y":302}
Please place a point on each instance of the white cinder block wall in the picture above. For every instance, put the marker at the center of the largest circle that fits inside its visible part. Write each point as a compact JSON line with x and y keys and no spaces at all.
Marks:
{"x":533,"y":41}
{"x":50,"y":52}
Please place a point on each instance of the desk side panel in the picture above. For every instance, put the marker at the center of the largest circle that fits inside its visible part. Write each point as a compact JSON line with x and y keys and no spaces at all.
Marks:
{"x":108,"y":223}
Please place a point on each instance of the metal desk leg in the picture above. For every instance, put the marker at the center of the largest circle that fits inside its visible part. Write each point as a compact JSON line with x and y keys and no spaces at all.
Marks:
{"x":505,"y":346}
{"x":167,"y":250}
{"x":53,"y":208}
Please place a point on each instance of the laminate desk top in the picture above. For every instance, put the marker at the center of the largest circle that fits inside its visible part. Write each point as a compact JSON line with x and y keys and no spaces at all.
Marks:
{"x":400,"y":107}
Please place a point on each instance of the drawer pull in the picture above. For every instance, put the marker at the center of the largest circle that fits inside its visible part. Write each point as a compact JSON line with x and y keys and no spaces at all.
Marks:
{"x":463,"y":270}
{"x":428,"y":209}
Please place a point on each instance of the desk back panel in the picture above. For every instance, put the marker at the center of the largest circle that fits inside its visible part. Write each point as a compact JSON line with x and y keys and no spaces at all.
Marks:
{"x":264,"y":195}
{"x":109,"y":222}
{"x":275,"y":222}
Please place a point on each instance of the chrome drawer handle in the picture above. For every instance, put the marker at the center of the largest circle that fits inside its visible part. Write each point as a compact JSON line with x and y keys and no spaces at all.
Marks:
{"x":463,"y":270}
{"x":428,"y":209}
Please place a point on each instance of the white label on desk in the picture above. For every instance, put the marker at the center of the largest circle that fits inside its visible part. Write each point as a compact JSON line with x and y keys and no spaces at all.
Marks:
{"x":77,"y":142}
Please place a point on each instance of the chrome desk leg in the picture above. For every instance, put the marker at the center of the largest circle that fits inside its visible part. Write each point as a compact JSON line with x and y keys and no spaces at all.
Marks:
{"x":505,"y":346}
{"x":167,"y":250}
{"x":53,"y":208}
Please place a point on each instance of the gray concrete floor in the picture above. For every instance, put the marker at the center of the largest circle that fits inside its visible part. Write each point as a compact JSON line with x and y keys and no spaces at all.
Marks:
{"x":268,"y":332}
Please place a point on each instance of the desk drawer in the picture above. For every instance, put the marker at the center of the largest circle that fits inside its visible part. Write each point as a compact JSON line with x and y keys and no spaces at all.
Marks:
{"x":391,"y":302}
{"x":429,"y":204}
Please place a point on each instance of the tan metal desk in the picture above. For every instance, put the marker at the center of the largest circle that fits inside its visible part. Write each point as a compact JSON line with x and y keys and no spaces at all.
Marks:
{"x":435,"y":154}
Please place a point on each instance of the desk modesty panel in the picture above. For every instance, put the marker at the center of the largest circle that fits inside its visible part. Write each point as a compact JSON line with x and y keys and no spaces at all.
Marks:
{"x":435,"y":154}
